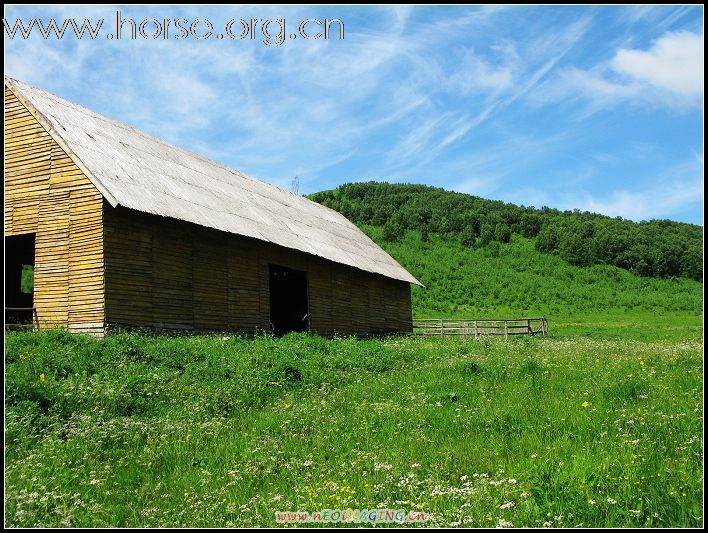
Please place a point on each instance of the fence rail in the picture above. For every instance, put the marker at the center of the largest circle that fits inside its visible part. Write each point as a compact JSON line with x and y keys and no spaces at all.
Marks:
{"x":478,"y":327}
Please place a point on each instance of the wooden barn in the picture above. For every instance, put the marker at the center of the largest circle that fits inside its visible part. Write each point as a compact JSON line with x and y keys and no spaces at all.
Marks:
{"x":123,"y":229}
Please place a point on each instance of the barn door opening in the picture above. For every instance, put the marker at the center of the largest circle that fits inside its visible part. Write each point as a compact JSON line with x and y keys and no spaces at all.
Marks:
{"x":288,"y":300}
{"x":19,"y":278}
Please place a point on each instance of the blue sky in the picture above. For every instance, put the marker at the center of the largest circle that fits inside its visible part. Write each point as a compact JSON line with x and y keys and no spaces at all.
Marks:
{"x":597,"y":108}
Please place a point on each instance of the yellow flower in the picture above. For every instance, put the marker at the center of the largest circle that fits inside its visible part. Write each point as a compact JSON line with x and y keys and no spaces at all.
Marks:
{"x":586,"y":404}
{"x":41,"y":377}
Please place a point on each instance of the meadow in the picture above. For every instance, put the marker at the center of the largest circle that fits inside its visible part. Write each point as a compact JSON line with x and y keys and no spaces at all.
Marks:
{"x":598,"y":424}
{"x":222,"y":431}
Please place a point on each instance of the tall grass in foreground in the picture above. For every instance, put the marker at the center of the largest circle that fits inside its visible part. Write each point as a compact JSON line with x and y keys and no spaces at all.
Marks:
{"x":218,"y":431}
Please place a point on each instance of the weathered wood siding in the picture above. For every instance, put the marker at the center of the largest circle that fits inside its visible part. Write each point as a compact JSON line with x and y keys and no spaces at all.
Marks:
{"x":167,"y":273}
{"x":47,"y":194}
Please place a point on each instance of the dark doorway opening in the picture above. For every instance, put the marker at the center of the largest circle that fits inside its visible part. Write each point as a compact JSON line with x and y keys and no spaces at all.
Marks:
{"x":19,"y":278}
{"x":288,"y":300}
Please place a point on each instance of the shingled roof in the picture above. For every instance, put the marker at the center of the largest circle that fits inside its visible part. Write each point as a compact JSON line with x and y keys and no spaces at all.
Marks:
{"x":141,"y":172}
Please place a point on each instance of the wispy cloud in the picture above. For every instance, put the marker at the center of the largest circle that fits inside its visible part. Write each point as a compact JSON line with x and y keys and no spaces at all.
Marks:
{"x":677,"y":189}
{"x":481,"y":99}
{"x":668,"y":73}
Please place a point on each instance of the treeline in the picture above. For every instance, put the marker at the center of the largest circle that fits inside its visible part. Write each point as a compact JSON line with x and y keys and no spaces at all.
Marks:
{"x":657,"y":248}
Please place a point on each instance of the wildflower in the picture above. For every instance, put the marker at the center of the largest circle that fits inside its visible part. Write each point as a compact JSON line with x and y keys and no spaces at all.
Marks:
{"x":611,"y":501}
{"x":41,"y":377}
{"x":591,"y":502}
{"x":507,"y":505}
{"x":586,"y":404}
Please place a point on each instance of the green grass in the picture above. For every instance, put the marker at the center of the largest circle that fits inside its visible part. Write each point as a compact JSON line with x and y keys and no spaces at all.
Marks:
{"x":213,"y":431}
{"x":599,"y":424}
{"x":515,"y":280}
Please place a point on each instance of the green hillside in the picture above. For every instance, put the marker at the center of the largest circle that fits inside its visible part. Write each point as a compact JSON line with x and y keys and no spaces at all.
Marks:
{"x":508,"y":272}
{"x":658,"y":248}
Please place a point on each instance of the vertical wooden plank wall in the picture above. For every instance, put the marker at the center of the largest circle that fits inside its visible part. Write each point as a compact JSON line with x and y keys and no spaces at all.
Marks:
{"x":168,"y":273}
{"x":47,"y":194}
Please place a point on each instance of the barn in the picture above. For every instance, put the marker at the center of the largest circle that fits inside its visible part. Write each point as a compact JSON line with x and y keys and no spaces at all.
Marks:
{"x":121,"y":229}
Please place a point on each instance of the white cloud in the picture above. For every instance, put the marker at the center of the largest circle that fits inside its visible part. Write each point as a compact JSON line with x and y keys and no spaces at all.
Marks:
{"x":475,"y":74}
{"x":658,"y":202}
{"x":668,"y":73}
{"x":673,"y":64}
{"x":671,"y":192}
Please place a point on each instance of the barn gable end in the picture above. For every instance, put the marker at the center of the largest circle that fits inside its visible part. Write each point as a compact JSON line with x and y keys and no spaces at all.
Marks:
{"x":47,"y":195}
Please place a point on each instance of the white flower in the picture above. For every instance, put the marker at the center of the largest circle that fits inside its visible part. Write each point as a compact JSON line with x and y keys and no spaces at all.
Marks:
{"x":507,"y":505}
{"x":611,"y":501}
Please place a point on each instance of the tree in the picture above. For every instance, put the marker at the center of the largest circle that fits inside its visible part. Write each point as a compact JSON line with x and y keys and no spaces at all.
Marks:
{"x":392,"y":231}
{"x":468,"y":236}
{"x":547,"y":240}
{"x":530,"y":224}
{"x":486,"y":234}
{"x":424,"y":233}
{"x":502,"y":232}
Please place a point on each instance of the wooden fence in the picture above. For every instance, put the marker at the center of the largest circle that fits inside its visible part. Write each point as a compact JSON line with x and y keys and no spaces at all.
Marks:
{"x":476,"y":328}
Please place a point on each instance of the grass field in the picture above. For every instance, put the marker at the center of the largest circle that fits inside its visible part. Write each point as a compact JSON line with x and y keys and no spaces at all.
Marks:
{"x":570,"y":430}
{"x":600,"y":424}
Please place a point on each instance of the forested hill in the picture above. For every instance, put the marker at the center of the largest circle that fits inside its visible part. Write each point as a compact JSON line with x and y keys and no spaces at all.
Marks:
{"x":657,"y":248}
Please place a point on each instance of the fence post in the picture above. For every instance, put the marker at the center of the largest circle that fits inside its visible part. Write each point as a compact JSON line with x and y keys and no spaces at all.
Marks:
{"x":528,"y":325}
{"x":475,"y":329}
{"x":506,"y":328}
{"x":442,"y":327}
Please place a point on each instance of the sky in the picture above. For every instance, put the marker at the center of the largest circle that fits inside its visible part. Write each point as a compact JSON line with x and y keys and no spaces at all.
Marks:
{"x":598,"y":108}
